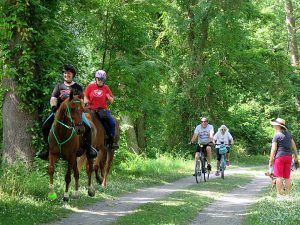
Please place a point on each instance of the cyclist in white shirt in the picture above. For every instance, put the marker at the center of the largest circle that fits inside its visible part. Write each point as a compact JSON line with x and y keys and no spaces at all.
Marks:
{"x":222,"y":136}
{"x":204,"y":133}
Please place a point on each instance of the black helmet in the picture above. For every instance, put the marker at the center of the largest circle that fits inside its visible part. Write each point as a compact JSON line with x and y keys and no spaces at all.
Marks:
{"x":69,"y":67}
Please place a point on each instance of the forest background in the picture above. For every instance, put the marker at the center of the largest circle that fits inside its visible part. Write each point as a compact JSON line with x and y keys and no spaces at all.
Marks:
{"x":169,"y":62}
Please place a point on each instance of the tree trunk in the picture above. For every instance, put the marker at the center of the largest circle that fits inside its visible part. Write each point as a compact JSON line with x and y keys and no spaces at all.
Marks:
{"x":16,"y":123}
{"x":291,"y":26}
{"x":131,"y":138}
{"x":140,"y":130}
{"x":17,"y":140}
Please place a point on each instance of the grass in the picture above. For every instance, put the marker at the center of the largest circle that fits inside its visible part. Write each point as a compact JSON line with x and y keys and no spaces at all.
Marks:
{"x":23,"y":193}
{"x":272,"y":210}
{"x":181,"y":207}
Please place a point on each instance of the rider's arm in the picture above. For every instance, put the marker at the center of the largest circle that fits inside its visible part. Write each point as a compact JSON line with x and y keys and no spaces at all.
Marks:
{"x":53,"y":101}
{"x":272,"y":154}
{"x":211,"y":135}
{"x":109,"y":95}
{"x":53,"y":104}
{"x":194,"y":138}
{"x":86,"y":101}
{"x":295,"y":151}
{"x":110,"y":98}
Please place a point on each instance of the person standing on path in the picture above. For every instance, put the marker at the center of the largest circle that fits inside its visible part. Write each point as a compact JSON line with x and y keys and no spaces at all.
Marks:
{"x":281,"y":155}
{"x":204,"y":132}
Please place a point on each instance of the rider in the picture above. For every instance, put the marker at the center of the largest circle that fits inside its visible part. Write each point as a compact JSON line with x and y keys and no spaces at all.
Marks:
{"x":95,"y":97}
{"x":59,"y":94}
{"x":222,"y":137}
{"x":205,"y":133}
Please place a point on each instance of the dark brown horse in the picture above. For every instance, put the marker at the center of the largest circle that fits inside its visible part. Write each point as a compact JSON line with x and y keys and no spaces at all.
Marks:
{"x":105,"y":151}
{"x":64,"y":141}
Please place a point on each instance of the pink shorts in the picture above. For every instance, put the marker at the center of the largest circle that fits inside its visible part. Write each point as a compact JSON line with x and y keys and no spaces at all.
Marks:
{"x":282,"y":166}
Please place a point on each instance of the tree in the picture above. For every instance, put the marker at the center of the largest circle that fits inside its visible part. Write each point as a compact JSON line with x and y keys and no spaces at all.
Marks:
{"x":291,"y":27}
{"x":17,"y":140}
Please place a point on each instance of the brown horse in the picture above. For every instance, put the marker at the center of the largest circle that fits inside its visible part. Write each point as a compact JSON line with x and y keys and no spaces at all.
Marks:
{"x":105,"y":152}
{"x":64,"y":141}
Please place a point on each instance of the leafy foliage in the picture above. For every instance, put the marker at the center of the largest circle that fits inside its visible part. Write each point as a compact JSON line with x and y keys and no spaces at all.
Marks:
{"x":167,"y":62}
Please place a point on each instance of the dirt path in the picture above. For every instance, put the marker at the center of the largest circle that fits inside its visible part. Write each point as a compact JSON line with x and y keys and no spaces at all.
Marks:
{"x":109,"y":211}
{"x":231,"y":207}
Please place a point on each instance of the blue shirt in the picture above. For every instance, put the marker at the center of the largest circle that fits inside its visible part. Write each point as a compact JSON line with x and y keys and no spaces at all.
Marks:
{"x":284,"y":143}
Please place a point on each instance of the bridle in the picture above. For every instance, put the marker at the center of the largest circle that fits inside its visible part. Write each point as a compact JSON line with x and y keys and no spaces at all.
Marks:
{"x":72,"y":127}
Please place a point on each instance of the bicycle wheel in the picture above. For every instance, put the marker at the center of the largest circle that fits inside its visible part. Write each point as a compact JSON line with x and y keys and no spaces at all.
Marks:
{"x":203,"y":169}
{"x":198,"y":174}
{"x":207,"y":174}
{"x":222,"y":166}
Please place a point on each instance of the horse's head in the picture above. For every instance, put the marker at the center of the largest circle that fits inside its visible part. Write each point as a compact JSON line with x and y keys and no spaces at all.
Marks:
{"x":76,"y":109}
{"x":72,"y":109}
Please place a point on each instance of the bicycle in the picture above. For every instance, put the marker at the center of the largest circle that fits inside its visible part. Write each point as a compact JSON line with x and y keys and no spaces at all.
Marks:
{"x":223,"y":149}
{"x":200,"y":167}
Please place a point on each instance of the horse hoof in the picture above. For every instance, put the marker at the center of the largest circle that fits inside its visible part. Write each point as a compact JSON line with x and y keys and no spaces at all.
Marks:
{"x":76,"y":195}
{"x":91,"y":193}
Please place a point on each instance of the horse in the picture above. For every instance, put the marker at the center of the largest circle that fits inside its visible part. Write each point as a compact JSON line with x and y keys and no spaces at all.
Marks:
{"x":105,"y":151}
{"x":65,"y":140}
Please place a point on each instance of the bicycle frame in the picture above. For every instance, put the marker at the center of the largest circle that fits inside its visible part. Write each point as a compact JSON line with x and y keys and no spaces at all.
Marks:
{"x":200,"y":167}
{"x":222,"y":151}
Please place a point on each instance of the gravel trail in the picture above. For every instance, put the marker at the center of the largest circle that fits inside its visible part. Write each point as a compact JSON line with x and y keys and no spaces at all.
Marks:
{"x":231,"y":206}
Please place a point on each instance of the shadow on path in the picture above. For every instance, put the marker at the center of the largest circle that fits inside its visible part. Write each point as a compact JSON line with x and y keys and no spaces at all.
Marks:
{"x":109,"y":211}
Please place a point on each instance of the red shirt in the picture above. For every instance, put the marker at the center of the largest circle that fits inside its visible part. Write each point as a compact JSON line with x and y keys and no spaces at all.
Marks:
{"x":97,"y":95}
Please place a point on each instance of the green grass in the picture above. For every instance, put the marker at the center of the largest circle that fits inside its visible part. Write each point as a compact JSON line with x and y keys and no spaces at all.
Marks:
{"x":181,"y":207}
{"x":272,"y":210}
{"x":249,"y":160}
{"x":23,"y":194}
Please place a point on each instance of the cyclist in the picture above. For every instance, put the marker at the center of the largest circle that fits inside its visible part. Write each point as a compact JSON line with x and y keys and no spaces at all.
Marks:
{"x":96,"y":96}
{"x":222,"y":137}
{"x":204,"y":132}
{"x":59,"y":94}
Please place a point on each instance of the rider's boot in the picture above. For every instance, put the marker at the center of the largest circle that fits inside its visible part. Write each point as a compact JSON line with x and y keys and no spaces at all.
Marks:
{"x":90,"y":150}
{"x":112,"y":142}
{"x":208,"y":167}
{"x":115,"y":145}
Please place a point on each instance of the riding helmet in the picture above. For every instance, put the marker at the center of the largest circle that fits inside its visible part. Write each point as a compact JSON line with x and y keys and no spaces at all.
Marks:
{"x":69,"y":67}
{"x":101,"y":75}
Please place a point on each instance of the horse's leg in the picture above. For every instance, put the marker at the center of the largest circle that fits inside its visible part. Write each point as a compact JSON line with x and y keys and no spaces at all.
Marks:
{"x":76,"y":176}
{"x":68,"y":180}
{"x":81,"y":161}
{"x":89,"y":170}
{"x":110,"y":156}
{"x":100,"y":163}
{"x":52,"y":159}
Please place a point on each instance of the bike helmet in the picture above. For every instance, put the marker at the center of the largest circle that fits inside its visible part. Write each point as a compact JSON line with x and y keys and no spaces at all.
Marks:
{"x":69,"y":67}
{"x":101,"y":75}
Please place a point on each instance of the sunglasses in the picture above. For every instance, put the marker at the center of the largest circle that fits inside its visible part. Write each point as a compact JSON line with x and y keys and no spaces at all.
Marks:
{"x":204,"y":121}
